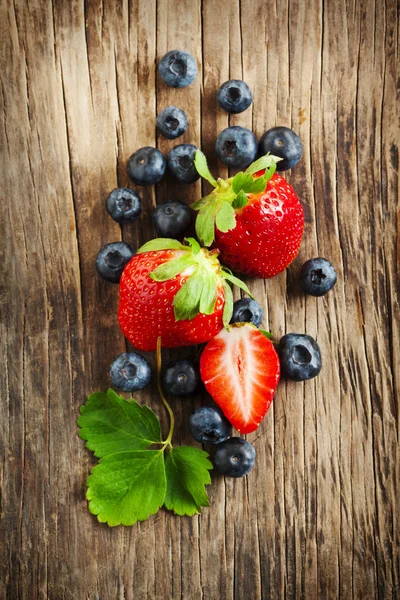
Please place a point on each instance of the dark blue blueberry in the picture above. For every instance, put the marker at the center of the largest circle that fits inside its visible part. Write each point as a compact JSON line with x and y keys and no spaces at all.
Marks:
{"x":234,"y":96}
{"x":181,"y":163}
{"x":282,"y":142}
{"x":317,"y":276}
{"x":234,"y":457}
{"x":123,"y":205}
{"x":247,"y":310}
{"x":111,"y":260}
{"x":181,"y":378}
{"x":146,"y":166}
{"x":130,"y":372}
{"x":172,"y":219}
{"x":300,"y":356}
{"x":208,"y":425}
{"x":171,"y":122}
{"x":236,"y":146}
{"x":177,"y":68}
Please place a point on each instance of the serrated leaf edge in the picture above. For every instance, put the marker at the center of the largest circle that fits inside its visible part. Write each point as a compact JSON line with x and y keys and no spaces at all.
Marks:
{"x":91,"y":500}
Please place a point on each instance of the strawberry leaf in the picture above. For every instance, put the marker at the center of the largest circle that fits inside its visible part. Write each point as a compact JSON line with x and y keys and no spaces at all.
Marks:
{"x":241,"y":181}
{"x":258,"y":185}
{"x":225,"y":218}
{"x":194,"y":244}
{"x":161,"y":244}
{"x":187,"y":299}
{"x":200,"y":162}
{"x":187,"y":471}
{"x":228,"y":306}
{"x":267,"y":334}
{"x":126,"y":487}
{"x":205,"y":223}
{"x":130,"y":483}
{"x":236,"y":281}
{"x":111,"y":424}
{"x":241,"y":200}
{"x":262,"y":163}
{"x":171,"y":268}
{"x":209,"y":294}
{"x":202,"y":202}
{"x":270,"y":171}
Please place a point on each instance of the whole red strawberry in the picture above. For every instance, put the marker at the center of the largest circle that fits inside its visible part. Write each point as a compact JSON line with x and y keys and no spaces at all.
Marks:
{"x":174,"y":291}
{"x":240,"y":370}
{"x":255,"y":219}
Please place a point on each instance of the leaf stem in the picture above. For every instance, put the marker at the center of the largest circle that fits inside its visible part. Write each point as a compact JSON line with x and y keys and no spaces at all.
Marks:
{"x":163,"y":398}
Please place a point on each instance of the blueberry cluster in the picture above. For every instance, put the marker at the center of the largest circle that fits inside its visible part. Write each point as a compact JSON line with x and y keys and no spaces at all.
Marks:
{"x":235,"y":146}
{"x":234,"y":457}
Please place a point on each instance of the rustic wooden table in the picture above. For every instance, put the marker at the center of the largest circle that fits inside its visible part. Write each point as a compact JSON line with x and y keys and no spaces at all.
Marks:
{"x":317,"y":518}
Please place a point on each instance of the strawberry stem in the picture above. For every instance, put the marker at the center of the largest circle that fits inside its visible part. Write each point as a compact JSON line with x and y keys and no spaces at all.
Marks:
{"x":167,"y":442}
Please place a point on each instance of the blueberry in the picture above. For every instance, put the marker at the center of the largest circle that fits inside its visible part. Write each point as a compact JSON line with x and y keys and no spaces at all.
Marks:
{"x":171,"y":122}
{"x":234,"y":457}
{"x":317,"y":276}
{"x":282,"y":142}
{"x":123,"y":205}
{"x":234,"y":96}
{"x":172,"y":219}
{"x":177,"y":68}
{"x":236,"y":146}
{"x":247,"y":310}
{"x":181,"y":378}
{"x":300,"y":356}
{"x":146,"y":166}
{"x":111,"y":260}
{"x":181,"y":163}
{"x":130,"y":372}
{"x":208,"y":425}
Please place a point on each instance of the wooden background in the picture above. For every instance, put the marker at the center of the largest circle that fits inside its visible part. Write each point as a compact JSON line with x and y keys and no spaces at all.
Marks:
{"x":317,"y":518}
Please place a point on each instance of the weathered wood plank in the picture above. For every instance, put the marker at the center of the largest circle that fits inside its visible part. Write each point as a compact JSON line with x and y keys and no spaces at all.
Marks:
{"x":317,"y":517}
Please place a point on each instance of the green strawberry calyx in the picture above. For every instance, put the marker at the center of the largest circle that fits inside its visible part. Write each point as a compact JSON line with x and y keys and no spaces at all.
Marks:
{"x":199,"y":292}
{"x":218,"y":208}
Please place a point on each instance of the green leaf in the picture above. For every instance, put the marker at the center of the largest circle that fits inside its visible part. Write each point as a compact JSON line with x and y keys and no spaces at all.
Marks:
{"x":228,"y":306}
{"x":205,"y":223}
{"x":203,"y":201}
{"x":258,"y":185}
{"x":126,"y":487}
{"x":269,"y":172}
{"x":241,"y":181}
{"x":171,"y":268}
{"x":209,"y":294}
{"x":187,"y":471}
{"x":236,"y":281}
{"x":225,"y":219}
{"x":262,"y":163}
{"x":187,"y":299}
{"x":161,"y":244}
{"x":194,"y":244}
{"x":111,"y":424}
{"x":267,"y":334}
{"x":241,"y":200}
{"x":200,"y":162}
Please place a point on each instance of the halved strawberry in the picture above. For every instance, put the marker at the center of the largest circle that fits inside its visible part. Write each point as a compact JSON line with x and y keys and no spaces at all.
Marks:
{"x":240,"y":370}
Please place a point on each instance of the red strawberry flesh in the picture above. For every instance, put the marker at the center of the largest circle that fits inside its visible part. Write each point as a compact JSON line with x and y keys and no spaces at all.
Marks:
{"x":240,"y":370}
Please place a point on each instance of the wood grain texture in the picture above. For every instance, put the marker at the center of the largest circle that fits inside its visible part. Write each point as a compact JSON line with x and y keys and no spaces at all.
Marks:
{"x":318,"y":516}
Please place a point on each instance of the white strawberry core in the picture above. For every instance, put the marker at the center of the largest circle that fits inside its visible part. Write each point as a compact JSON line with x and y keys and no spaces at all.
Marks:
{"x":240,"y":366}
